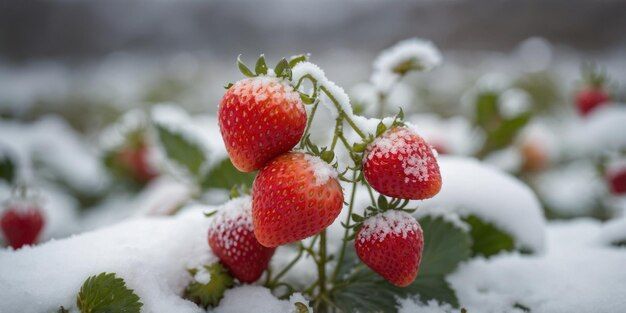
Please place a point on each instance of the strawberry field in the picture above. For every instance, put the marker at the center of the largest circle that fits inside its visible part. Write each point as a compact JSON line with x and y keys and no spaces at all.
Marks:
{"x":413,"y":178}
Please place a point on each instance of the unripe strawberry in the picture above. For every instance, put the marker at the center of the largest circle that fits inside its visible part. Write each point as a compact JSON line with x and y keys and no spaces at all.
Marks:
{"x":21,"y":224}
{"x":260,"y":118}
{"x":401,"y":164}
{"x":391,"y":244}
{"x":589,"y":99}
{"x":294,"y":197}
{"x":232,"y":240}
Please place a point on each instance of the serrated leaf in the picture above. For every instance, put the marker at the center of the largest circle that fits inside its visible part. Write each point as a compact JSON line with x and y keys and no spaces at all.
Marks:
{"x":445,"y":246}
{"x":182,"y":151}
{"x":225,"y":176}
{"x":487,"y":239}
{"x":243,"y":68}
{"x":211,"y":293}
{"x":7,"y":168}
{"x":261,"y":67}
{"x":106,"y":293}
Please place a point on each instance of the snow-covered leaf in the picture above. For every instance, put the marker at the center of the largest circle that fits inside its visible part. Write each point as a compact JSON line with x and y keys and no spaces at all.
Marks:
{"x":106,"y":293}
{"x":224,"y":175}
{"x":181,"y":150}
{"x":487,"y":239}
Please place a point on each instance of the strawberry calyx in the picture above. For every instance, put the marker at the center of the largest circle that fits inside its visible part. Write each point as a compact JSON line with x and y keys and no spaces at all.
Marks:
{"x":382,"y":205}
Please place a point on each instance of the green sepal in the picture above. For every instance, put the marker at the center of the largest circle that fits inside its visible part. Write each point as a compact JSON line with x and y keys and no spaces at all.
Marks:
{"x":297,"y":59}
{"x":261,"y":67}
{"x":243,"y":68}
{"x":380,"y":129}
{"x":306,"y":98}
{"x":227,"y":86}
{"x":280,"y":67}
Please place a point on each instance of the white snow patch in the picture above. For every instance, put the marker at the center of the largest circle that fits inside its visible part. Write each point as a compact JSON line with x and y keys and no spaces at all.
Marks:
{"x":455,"y":135}
{"x":411,"y":305}
{"x":256,"y":299}
{"x":514,"y":102}
{"x":262,"y":88}
{"x":600,"y":131}
{"x":613,"y":232}
{"x":380,"y":225}
{"x":470,"y":187}
{"x":321,"y":170}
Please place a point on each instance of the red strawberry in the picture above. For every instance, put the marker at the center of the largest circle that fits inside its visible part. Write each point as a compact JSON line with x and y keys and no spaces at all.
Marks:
{"x":294,"y":197}
{"x":401,"y":164}
{"x":617,"y":181}
{"x":391,"y":244}
{"x":232,"y":239}
{"x":589,"y":99}
{"x":260,"y":118}
{"x":135,"y":161}
{"x":21,"y":224}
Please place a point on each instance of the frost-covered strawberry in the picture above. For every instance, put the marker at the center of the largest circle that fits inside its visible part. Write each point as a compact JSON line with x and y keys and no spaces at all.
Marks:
{"x":260,"y":118}
{"x":21,"y":224}
{"x":616,"y":176}
{"x":401,"y":164}
{"x":391,"y":244}
{"x":591,"y":98}
{"x":295,"y":196}
{"x":232,"y":239}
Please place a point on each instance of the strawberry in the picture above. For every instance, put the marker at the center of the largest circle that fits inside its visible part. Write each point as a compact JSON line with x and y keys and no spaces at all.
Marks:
{"x":232,"y":239}
{"x":21,"y":224}
{"x":391,"y":244}
{"x":401,"y":164}
{"x":295,"y":196}
{"x":134,"y":160}
{"x":617,"y":181}
{"x":260,"y":118}
{"x":589,"y":99}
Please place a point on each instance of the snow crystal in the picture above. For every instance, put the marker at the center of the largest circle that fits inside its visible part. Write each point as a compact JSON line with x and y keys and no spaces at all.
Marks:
{"x":470,"y":187}
{"x":380,"y":225}
{"x":256,"y":299}
{"x":150,"y":254}
{"x":420,"y":52}
{"x":575,"y":274}
{"x":322,"y":170}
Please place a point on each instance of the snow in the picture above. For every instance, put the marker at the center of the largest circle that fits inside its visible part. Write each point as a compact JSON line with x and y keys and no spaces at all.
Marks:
{"x":303,"y":69}
{"x":379,"y":226}
{"x":613,"y":232}
{"x":454,"y":135}
{"x":574,"y":275}
{"x":410,"y":305}
{"x":262,"y":88}
{"x":321,"y":170}
{"x":42,"y":278}
{"x":264,"y":301}
{"x":514,"y":102}
{"x":234,"y":214}
{"x":470,"y":187}
{"x":420,"y":52}
{"x":598,"y":132}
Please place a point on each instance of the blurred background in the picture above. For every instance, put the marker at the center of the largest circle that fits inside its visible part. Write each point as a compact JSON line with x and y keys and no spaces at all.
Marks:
{"x":79,"y":81}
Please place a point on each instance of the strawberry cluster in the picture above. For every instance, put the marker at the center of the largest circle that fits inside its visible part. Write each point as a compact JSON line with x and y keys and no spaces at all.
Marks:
{"x":296,"y":193}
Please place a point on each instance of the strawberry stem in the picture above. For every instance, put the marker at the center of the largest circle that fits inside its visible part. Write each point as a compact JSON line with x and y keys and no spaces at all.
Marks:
{"x":342,"y":252}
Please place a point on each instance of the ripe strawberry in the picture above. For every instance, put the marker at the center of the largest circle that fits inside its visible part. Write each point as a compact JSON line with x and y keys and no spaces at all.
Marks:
{"x":260,"y":118}
{"x":295,"y":196}
{"x":401,"y":164}
{"x":617,"y":181}
{"x":21,"y":224}
{"x":589,"y":99}
{"x":391,"y":244}
{"x":232,"y":239}
{"x":134,"y":159}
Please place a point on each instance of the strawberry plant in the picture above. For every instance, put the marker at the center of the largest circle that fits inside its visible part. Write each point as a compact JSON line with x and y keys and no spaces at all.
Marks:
{"x":303,"y":184}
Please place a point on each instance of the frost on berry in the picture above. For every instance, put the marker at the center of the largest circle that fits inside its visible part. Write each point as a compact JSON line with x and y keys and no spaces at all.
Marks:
{"x":233,"y":219}
{"x":321,"y":170}
{"x":264,"y":88}
{"x":378,"y":227}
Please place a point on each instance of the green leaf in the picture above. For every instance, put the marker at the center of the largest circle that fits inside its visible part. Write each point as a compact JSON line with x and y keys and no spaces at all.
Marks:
{"x":261,"y":67}
{"x":182,"y":151}
{"x":297,"y":59}
{"x":106,"y":293}
{"x":280,"y":67}
{"x":357,"y":218}
{"x":487,"y":109}
{"x":243,"y":68}
{"x":488,"y":239}
{"x":505,"y":133}
{"x":211,"y":293}
{"x":445,"y":246}
{"x":7,"y":168}
{"x":224,"y":175}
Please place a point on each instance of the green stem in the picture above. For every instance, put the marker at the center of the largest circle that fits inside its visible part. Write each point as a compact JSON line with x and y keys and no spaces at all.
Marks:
{"x":341,"y":111}
{"x":308,"y":123}
{"x":342,"y":252}
{"x":321,"y":267}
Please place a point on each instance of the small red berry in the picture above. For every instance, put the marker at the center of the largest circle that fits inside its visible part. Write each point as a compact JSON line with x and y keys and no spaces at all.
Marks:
{"x":294,"y":197}
{"x":391,"y":244}
{"x":232,"y":239}
{"x":589,"y":99}
{"x":21,"y":224}
{"x":617,"y":181}
{"x":260,"y":118}
{"x":134,"y":159}
{"x":401,"y":164}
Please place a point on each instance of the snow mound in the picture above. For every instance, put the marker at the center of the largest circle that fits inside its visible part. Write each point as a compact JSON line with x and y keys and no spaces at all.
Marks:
{"x":470,"y":187}
{"x":321,"y":170}
{"x":151,"y":255}
{"x":395,"y":222}
{"x":600,"y":130}
{"x":256,"y":299}
{"x":452,"y":136}
{"x":613,"y":232}
{"x":574,"y":275}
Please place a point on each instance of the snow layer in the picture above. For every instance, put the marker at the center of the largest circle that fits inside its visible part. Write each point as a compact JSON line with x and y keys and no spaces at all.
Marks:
{"x":256,"y":299}
{"x":574,"y":275}
{"x":600,"y":130}
{"x":380,"y":225}
{"x":470,"y":187}
{"x":453,"y":135}
{"x":151,"y":254}
{"x":414,"y":305}
{"x":321,"y":170}
{"x":613,"y":232}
